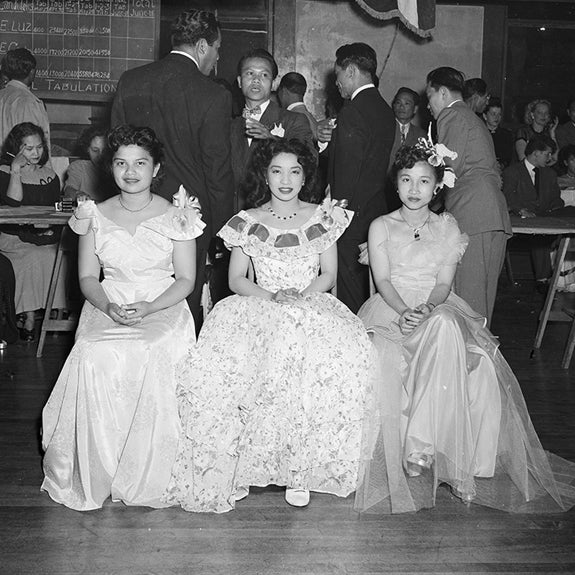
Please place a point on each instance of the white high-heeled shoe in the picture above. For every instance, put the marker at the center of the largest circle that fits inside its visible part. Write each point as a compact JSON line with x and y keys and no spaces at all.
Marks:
{"x":297,"y":497}
{"x":241,"y":493}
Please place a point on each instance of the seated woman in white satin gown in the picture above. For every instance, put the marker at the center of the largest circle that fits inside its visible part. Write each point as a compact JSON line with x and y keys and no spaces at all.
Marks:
{"x":450,"y":409}
{"x":274,"y":392}
{"x":111,"y":426}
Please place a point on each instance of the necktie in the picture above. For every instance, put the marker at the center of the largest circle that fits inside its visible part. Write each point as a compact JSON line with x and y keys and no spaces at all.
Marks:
{"x":249,"y":112}
{"x":404,"y":130}
{"x":537,"y":182}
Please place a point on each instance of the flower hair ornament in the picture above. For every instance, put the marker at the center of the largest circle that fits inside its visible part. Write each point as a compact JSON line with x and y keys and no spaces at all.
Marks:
{"x":435,"y":156}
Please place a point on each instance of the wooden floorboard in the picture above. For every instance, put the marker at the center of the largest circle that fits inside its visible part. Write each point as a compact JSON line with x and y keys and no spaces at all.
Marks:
{"x":264,"y":535}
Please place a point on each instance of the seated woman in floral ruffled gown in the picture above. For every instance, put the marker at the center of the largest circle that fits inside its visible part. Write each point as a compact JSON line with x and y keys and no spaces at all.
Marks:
{"x":111,"y":426}
{"x":450,"y":409}
{"x":274,"y":392}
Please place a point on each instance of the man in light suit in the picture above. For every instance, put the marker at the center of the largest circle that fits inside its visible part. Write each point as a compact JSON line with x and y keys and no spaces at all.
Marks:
{"x":531,"y":189}
{"x":262,"y":118}
{"x":404,"y":105}
{"x":476,"y":200}
{"x":359,"y":151}
{"x":191,"y":116}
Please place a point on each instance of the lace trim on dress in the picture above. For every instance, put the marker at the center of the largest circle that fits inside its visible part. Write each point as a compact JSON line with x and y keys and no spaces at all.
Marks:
{"x":175,"y":223}
{"x":322,"y":230}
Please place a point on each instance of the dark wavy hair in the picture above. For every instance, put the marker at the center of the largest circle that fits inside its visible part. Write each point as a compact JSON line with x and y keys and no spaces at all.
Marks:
{"x":18,"y":63}
{"x":262,"y":55}
{"x":191,"y":26}
{"x":144,"y":138}
{"x":408,"y":156}
{"x":360,"y":54}
{"x":254,"y":185}
{"x":85,"y":139}
{"x":15,"y":139}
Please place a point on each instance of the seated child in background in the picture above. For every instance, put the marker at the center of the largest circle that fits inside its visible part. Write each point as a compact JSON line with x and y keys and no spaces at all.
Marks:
{"x":88,"y":176}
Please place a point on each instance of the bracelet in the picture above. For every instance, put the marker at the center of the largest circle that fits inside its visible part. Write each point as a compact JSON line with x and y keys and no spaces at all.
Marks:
{"x":431,"y":306}
{"x":13,"y":173}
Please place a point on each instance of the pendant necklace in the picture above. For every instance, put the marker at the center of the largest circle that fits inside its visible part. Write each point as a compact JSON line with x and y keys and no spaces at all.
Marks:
{"x":416,"y":229}
{"x":270,"y":210}
{"x":139,"y":209}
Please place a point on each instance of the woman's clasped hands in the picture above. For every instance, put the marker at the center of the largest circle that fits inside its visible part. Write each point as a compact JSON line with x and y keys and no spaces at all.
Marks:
{"x":287,"y":295}
{"x":409,"y":319}
{"x":128,"y":314}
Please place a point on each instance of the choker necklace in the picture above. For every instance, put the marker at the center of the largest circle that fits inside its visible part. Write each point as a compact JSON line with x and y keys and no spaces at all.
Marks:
{"x":270,"y":210}
{"x":416,"y":229}
{"x":139,"y":209}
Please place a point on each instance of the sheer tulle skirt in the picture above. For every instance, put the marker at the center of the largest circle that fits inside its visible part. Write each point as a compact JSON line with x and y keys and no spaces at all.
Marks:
{"x":450,"y":400}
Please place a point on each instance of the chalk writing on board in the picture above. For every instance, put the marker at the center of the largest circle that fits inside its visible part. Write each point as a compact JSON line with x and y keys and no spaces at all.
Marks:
{"x":82,"y":47}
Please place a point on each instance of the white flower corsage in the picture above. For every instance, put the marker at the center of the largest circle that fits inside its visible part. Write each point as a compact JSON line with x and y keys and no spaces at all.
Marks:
{"x":188,"y":208}
{"x":278,"y":130}
{"x":436,"y":154}
{"x":330,"y":214}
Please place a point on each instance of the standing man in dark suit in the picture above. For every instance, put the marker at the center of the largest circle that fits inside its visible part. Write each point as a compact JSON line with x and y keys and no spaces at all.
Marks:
{"x":191,"y":116}
{"x":531,"y":189}
{"x":359,"y":151}
{"x":476,"y":200}
{"x":262,"y":118}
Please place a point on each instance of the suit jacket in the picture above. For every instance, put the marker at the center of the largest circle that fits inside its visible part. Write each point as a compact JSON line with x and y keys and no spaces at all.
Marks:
{"x":520,"y":190}
{"x":191,"y":116}
{"x":359,"y":154}
{"x":295,"y":125}
{"x":414,"y":133}
{"x":565,"y":134}
{"x":476,"y":200}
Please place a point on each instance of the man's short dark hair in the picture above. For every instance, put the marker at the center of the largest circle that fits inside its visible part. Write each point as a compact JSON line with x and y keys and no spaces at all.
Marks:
{"x":360,"y":54}
{"x":474,"y":86}
{"x":405,"y":90}
{"x":18,"y":63}
{"x":262,"y":55}
{"x":191,"y":26}
{"x":540,"y":143}
{"x":451,"y":78}
{"x":294,"y":82}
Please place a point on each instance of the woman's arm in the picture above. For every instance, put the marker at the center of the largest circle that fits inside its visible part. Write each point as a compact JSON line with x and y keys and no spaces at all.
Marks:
{"x":237,"y":276}
{"x":442,"y":287}
{"x":520,"y":146}
{"x":328,"y":272}
{"x":379,"y":264}
{"x":15,"y":191}
{"x":89,"y":276}
{"x":184,"y":262}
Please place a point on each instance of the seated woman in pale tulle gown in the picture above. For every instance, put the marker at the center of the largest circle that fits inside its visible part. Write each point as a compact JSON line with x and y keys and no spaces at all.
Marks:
{"x":450,"y":409}
{"x":111,"y":427}
{"x":274,"y":392}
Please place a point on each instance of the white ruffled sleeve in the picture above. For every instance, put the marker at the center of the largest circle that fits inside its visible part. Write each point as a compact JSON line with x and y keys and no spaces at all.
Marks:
{"x":178,"y":224}
{"x":455,"y":241}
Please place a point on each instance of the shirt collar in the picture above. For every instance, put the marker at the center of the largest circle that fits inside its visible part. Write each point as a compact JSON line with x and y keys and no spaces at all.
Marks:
{"x":361,"y":89}
{"x":295,"y":105}
{"x":454,"y":102}
{"x":187,"y":56}
{"x":17,"y":84}
{"x":530,"y":167}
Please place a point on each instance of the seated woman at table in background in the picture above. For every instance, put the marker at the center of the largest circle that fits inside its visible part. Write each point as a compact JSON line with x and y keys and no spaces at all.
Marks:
{"x":26,"y":179}
{"x":450,"y":409}
{"x":89,"y":177}
{"x":111,"y":426}
{"x":566,"y":181}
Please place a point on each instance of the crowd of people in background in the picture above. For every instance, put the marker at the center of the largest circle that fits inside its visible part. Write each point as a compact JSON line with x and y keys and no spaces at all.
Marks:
{"x":299,"y":379}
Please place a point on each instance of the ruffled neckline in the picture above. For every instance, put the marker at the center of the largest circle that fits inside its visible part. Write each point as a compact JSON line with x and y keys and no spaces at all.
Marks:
{"x":175,"y":223}
{"x":319,"y":232}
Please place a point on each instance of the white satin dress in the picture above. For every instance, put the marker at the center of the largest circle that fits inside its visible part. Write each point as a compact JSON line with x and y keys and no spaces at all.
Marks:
{"x":111,"y":425}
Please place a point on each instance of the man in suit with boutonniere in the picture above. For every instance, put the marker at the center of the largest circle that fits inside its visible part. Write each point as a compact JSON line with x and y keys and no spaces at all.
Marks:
{"x":191,"y":115}
{"x":262,"y":118}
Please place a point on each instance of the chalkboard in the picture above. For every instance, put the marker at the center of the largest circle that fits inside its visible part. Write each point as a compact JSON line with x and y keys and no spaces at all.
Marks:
{"x":81,"y":46}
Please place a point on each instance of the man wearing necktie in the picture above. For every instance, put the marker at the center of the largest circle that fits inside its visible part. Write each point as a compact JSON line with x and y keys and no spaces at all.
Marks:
{"x":261,"y":119}
{"x":531,"y":189}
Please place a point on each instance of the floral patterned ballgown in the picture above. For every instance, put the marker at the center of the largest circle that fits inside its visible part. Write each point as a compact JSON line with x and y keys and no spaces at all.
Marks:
{"x":274,"y":393}
{"x":111,"y":426}
{"x":449,"y":397}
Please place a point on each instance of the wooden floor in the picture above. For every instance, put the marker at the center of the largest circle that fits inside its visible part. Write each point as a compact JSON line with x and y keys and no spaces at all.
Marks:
{"x":264,"y":535}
